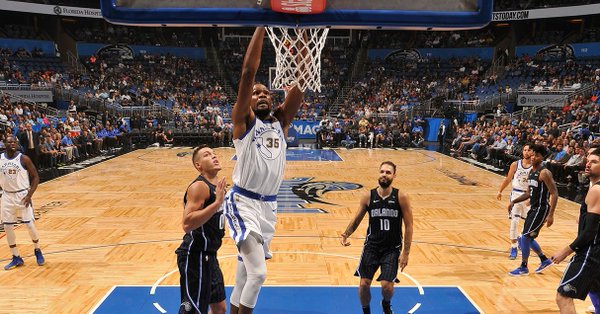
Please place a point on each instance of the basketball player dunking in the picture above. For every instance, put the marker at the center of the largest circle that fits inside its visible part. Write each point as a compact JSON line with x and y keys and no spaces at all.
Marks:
{"x":387,"y":208}
{"x":259,"y":135}
{"x":543,"y":196}
{"x":518,"y":173}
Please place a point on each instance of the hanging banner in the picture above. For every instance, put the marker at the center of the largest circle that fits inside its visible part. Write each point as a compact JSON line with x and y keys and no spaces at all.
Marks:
{"x":531,"y":99}
{"x":49,"y":9}
{"x":30,"y":95}
{"x":547,"y":13}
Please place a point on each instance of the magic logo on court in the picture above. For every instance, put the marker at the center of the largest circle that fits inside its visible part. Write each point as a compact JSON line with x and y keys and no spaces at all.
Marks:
{"x":302,"y":195}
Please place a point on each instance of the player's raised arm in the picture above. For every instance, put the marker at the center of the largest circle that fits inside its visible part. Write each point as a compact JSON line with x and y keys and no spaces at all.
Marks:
{"x":294,"y":96}
{"x":290,"y":107}
{"x":242,"y":114}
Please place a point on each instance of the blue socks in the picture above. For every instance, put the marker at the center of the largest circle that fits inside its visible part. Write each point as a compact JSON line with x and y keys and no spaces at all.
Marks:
{"x":525,"y":247}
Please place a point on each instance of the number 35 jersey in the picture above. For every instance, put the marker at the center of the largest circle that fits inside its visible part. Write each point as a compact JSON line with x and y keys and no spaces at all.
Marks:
{"x":260,"y":158}
{"x":385,"y":221}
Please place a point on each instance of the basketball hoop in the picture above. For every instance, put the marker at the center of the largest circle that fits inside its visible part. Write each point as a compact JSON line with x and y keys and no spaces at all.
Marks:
{"x":298,"y":56}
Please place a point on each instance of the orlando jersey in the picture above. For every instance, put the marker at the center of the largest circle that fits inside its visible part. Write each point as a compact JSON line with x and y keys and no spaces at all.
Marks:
{"x":539,"y":190}
{"x":385,"y":220}
{"x":260,"y":158}
{"x":208,"y":237}
{"x":581,"y":226}
{"x":14,"y":176}
{"x":520,"y":178}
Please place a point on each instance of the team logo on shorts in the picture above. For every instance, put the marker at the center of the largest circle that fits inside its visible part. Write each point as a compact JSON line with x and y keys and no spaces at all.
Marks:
{"x":187,"y":306}
{"x":569,"y":288}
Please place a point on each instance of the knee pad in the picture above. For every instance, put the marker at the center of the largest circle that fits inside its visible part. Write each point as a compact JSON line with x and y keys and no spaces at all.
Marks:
{"x":256,"y":270}
{"x":257,"y":278}
{"x":252,"y":288}
{"x":240,"y":282}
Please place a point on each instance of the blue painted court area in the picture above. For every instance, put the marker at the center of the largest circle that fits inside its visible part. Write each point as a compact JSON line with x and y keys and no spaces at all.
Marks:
{"x":310,"y":155}
{"x":296,"y":300}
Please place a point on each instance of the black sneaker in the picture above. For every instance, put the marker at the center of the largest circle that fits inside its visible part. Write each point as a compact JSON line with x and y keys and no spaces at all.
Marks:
{"x":387,"y":310}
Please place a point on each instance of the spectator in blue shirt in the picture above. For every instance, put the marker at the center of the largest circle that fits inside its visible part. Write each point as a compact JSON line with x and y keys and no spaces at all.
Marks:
{"x":417,"y":129}
{"x":68,"y":147}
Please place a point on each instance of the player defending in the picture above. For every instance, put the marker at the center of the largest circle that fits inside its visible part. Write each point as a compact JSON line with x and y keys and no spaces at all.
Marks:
{"x":387,"y":208}
{"x":19,"y":181}
{"x":518,"y":173}
{"x":543,"y":196}
{"x":582,"y":276}
{"x":201,"y":279}
{"x":259,"y":135}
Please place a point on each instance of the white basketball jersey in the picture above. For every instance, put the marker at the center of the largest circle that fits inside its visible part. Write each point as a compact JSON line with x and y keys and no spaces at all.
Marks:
{"x":519,"y":180}
{"x":14,"y":176}
{"x":260,"y":158}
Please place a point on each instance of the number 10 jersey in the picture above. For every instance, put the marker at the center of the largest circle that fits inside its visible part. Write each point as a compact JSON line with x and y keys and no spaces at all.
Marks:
{"x":385,"y":221}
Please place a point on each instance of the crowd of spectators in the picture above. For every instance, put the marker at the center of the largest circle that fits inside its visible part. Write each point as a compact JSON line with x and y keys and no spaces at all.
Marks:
{"x":374,"y":111}
{"x":543,"y":37}
{"x":567,"y":133}
{"x":589,"y":35}
{"x":370,"y":129}
{"x":22,"y":67}
{"x":422,"y":39}
{"x":99,"y":31}
{"x":545,"y":73}
{"x":454,"y":39}
{"x":22,"y":31}
{"x":51,"y":141}
{"x":397,"y":84}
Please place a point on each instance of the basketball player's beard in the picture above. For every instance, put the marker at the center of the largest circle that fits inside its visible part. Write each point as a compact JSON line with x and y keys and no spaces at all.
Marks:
{"x":384,"y":183}
{"x":262,"y":113}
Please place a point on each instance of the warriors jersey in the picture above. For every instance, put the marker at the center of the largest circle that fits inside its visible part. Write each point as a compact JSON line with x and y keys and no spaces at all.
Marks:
{"x":539,"y":191}
{"x":260,"y":158}
{"x":520,"y":177}
{"x":14,"y":176}
{"x":385,"y":220}
{"x":208,"y":237}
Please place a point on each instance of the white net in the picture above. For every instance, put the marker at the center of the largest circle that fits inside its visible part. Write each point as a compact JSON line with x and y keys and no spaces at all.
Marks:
{"x":298,"y":56}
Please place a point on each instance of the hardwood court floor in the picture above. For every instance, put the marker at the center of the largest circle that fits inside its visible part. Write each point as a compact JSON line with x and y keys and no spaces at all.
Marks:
{"x":118,"y":223}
